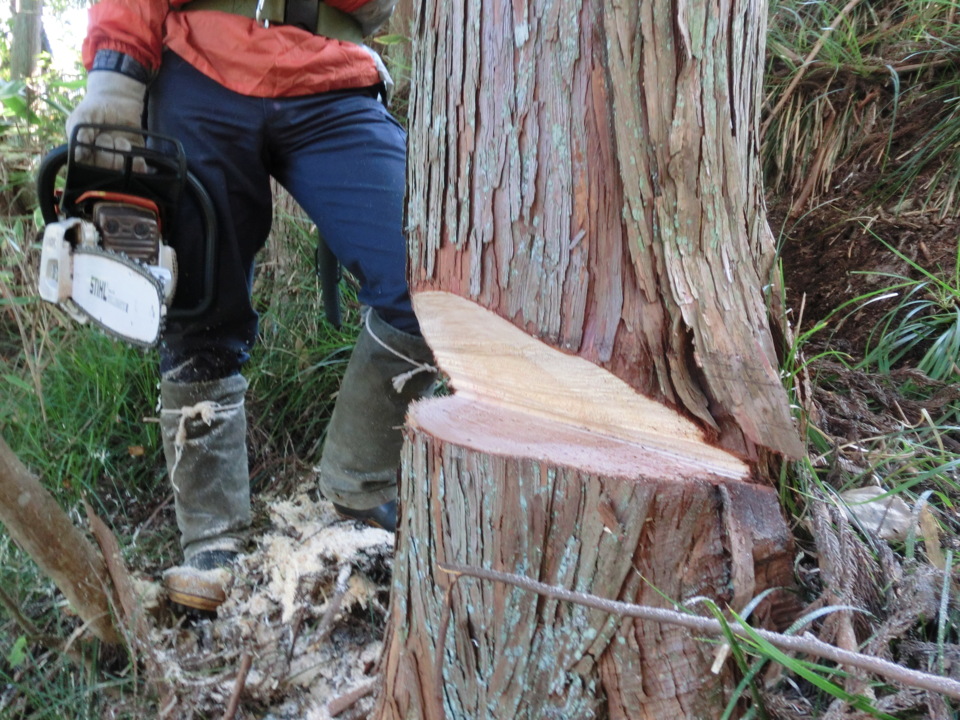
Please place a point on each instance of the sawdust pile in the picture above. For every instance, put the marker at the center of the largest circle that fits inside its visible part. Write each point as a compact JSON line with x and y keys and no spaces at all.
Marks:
{"x":308,"y":608}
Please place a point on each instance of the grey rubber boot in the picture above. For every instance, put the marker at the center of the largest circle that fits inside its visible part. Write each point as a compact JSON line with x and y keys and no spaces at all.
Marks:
{"x":204,"y":429}
{"x":387,"y":371}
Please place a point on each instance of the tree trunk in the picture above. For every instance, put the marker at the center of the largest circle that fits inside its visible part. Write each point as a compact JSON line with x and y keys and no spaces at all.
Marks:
{"x":25,"y":44}
{"x":590,"y":262}
{"x":42,"y":530}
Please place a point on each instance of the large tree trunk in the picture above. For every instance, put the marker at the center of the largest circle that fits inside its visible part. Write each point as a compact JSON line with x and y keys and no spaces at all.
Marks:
{"x":589,"y":257}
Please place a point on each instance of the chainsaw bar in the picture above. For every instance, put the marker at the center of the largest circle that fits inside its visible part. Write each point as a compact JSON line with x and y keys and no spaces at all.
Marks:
{"x":118,"y":295}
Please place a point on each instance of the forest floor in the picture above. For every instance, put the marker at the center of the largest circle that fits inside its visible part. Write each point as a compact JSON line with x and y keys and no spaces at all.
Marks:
{"x":842,"y":260}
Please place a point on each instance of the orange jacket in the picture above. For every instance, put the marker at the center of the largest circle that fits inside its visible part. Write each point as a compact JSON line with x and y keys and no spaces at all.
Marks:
{"x":279,"y":61}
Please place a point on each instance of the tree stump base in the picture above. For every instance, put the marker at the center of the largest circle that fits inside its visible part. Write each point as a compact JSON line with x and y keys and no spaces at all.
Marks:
{"x":495,"y":488}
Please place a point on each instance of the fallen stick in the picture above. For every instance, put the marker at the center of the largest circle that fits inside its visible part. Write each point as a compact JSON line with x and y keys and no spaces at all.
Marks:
{"x":804,"y":644}
{"x":42,"y":529}
{"x":128,"y":607}
{"x":245,"y":662}
{"x":348,"y":700}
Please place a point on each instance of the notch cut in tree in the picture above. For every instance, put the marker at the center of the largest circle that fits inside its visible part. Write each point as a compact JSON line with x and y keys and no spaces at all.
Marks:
{"x":535,"y":474}
{"x":591,"y":263}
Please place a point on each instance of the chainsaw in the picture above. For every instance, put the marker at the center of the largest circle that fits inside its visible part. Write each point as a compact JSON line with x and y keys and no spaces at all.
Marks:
{"x":105,"y":254}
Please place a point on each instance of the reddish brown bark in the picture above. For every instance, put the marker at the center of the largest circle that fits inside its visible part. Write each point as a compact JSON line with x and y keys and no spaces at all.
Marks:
{"x":588,"y":171}
{"x":591,"y":264}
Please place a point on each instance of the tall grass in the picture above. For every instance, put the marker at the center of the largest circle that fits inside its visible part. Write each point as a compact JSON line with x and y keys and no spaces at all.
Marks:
{"x":838,"y":79}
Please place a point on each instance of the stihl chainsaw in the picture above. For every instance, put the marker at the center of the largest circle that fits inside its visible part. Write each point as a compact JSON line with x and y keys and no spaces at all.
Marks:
{"x":105,"y":254}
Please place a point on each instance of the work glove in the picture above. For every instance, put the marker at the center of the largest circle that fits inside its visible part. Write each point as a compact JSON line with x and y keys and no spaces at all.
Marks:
{"x":111,"y":99}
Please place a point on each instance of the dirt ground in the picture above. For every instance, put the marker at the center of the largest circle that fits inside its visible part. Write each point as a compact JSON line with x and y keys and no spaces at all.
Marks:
{"x":837,"y":250}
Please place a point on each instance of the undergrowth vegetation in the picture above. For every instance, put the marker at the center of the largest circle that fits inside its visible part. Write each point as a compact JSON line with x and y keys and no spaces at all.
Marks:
{"x":80,"y":410}
{"x":855,"y":91}
{"x":860,"y":157}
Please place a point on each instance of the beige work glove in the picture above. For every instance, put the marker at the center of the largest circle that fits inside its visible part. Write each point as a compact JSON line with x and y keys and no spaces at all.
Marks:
{"x":111,"y":99}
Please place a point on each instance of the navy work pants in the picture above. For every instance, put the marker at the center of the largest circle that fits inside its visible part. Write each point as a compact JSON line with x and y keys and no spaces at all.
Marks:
{"x":339,"y":154}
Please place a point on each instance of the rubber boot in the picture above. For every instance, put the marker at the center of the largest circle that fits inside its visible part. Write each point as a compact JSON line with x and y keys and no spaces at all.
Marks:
{"x":358,"y":469}
{"x":204,"y":429}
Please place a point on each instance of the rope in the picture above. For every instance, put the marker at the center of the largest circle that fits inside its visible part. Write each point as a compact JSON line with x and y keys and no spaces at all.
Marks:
{"x":207,"y":411}
{"x":399,"y":381}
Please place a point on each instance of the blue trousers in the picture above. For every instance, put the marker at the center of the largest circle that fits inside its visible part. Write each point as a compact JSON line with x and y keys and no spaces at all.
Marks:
{"x":340,"y":155}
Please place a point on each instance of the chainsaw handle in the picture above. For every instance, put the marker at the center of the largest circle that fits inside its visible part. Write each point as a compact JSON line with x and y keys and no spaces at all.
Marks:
{"x":209,"y":217}
{"x":54,"y":161}
{"x":51,"y":164}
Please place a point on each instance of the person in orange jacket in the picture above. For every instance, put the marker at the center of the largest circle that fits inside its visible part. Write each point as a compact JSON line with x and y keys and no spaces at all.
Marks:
{"x":293,"y":94}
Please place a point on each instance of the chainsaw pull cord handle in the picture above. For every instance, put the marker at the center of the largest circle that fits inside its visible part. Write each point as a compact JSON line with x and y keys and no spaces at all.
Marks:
{"x":47,"y":182}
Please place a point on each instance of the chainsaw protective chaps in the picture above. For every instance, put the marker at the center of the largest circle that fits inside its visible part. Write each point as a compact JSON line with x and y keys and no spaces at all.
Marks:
{"x":204,"y":429}
{"x":387,"y":371}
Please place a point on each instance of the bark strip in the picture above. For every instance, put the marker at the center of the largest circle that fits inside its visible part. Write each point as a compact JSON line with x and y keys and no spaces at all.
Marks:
{"x":41,"y":529}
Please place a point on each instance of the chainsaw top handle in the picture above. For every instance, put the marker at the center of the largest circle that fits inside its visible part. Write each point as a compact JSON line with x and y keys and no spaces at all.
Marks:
{"x":167,"y":176}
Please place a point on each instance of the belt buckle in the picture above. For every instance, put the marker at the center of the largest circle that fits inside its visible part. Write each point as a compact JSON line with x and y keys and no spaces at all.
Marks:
{"x":270,"y":12}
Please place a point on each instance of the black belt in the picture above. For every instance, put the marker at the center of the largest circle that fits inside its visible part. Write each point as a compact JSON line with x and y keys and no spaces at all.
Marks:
{"x":311,"y":15}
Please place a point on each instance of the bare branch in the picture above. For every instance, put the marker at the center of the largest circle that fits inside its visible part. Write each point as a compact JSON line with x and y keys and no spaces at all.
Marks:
{"x":245,"y":662}
{"x":804,"y":644}
{"x":347,"y":700}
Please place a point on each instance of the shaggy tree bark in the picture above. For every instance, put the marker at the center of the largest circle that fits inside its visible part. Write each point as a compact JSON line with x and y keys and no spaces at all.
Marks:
{"x":590,"y":262}
{"x":38,"y":525}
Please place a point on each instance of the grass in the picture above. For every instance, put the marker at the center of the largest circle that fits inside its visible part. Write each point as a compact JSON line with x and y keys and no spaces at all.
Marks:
{"x":838,"y":79}
{"x":839,"y":101}
{"x":79,"y":409}
{"x":923,"y":325}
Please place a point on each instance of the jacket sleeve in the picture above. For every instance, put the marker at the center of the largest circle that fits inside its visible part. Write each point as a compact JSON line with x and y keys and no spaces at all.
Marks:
{"x":371,"y":14}
{"x":132,"y":27}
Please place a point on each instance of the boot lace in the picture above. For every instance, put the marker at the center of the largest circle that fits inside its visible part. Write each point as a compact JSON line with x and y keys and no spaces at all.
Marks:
{"x":399,"y":381}
{"x":206,"y":410}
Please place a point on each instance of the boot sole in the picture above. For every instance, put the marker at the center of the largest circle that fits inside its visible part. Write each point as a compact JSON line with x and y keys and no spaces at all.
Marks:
{"x":195,"y":602}
{"x":196,"y":592}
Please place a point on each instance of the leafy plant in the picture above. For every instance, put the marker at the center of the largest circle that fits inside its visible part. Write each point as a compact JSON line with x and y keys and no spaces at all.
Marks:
{"x":924,"y":324}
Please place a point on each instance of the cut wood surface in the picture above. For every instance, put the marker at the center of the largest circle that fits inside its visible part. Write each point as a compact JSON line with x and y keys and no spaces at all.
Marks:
{"x":591,"y":263}
{"x":42,"y":530}
{"x":545,"y":465}
{"x":490,"y":359}
{"x":588,"y":171}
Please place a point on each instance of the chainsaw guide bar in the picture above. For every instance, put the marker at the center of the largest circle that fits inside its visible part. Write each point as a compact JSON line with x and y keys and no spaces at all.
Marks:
{"x":119,"y":295}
